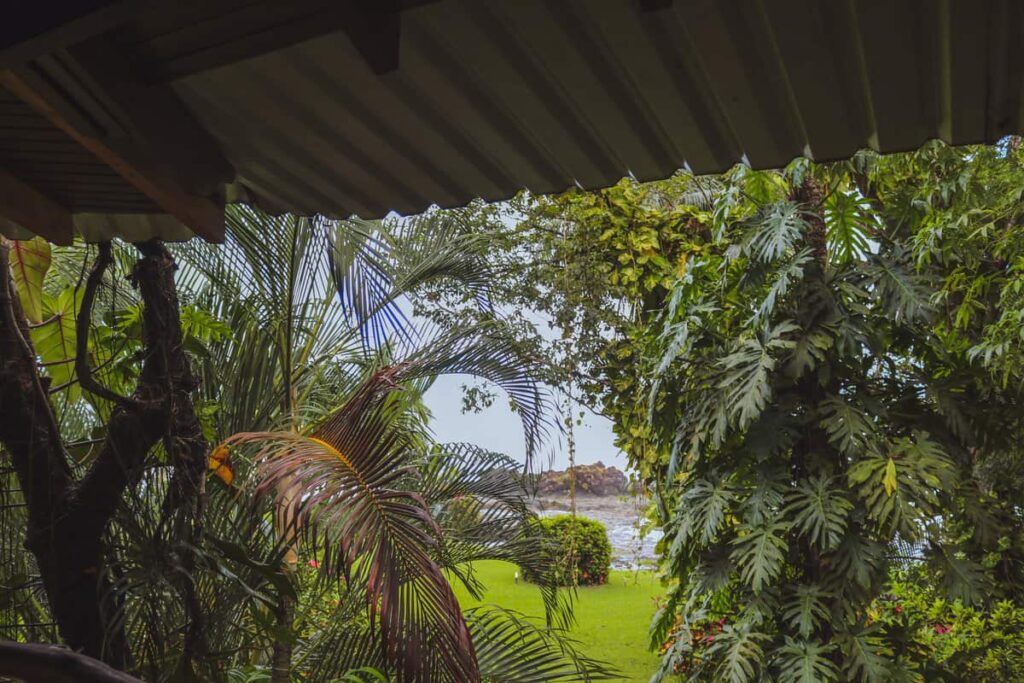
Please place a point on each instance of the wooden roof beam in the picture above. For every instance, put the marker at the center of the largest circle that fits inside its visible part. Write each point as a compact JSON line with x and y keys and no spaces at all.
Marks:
{"x":31,"y":209}
{"x":373,"y":27}
{"x":654,"y":5}
{"x":37,"y":28}
{"x":141,"y":165}
{"x":151,"y":115}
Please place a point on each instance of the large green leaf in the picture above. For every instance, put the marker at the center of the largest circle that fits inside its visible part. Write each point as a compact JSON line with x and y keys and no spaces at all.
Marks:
{"x":740,"y":653}
{"x":30,"y":259}
{"x":760,"y":552}
{"x":806,"y":609}
{"x":54,"y":340}
{"x":849,"y":222}
{"x":866,"y":657}
{"x":703,"y":508}
{"x":819,"y":511}
{"x":803,"y":661}
{"x":774,"y":230}
{"x":902,"y":486}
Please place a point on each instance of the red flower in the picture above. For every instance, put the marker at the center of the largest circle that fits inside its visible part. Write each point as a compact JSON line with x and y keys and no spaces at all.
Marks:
{"x":899,"y":610}
{"x":314,"y":564}
{"x":942,"y":629}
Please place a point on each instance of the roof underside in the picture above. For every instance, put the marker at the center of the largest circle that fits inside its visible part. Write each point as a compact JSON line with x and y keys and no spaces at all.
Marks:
{"x":489,"y":97}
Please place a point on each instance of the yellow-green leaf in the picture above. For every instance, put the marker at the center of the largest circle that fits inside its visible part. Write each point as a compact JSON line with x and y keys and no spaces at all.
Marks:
{"x":55,"y":340}
{"x":889,"y":480}
{"x":30,"y":259}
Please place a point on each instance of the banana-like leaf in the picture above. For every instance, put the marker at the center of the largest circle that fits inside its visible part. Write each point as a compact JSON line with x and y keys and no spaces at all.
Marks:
{"x":29,"y":260}
{"x":54,"y":340}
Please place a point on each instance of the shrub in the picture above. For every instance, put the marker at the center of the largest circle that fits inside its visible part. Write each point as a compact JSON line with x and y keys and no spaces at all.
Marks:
{"x":947,"y":640}
{"x":592,"y":550}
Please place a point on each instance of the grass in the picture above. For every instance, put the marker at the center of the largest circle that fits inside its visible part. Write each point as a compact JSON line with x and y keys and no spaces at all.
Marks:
{"x":611,"y":620}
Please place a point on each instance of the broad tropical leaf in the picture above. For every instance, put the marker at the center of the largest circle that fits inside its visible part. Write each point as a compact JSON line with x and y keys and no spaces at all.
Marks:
{"x":803,"y":661}
{"x":819,"y":511}
{"x":703,"y":508}
{"x":759,"y":552}
{"x":865,"y":658}
{"x":849,"y":222}
{"x":960,"y":577}
{"x":775,"y":230}
{"x":806,"y":609}
{"x":747,"y":371}
{"x":902,"y":486}
{"x":849,"y":428}
{"x":55,"y":339}
{"x":29,"y":261}
{"x":740,"y":652}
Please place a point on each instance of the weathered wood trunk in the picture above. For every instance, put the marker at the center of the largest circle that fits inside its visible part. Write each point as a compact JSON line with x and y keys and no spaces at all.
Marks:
{"x":67,"y":517}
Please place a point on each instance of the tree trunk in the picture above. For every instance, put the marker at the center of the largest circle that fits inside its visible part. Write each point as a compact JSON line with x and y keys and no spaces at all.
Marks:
{"x":67,"y":518}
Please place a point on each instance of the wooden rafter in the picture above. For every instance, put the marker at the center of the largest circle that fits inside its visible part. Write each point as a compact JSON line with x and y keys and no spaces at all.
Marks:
{"x":31,"y":209}
{"x":371,"y":25}
{"x":37,"y":28}
{"x":153,"y":116}
{"x":133,"y":162}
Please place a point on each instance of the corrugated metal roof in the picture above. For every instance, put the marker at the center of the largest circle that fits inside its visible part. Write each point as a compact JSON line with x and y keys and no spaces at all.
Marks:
{"x":491,"y":97}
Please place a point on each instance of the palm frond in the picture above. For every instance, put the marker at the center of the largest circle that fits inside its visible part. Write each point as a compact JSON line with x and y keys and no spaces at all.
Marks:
{"x":374,"y":264}
{"x":511,"y":649}
{"x":344,"y":481}
{"x":463,"y":482}
{"x":487,"y":351}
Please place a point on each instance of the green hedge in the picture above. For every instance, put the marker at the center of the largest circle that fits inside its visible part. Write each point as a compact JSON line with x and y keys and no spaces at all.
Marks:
{"x":952,"y":641}
{"x":593,"y":552}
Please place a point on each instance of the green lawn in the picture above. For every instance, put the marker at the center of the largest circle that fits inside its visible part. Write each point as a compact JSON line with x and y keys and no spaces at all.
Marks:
{"x":611,"y":620}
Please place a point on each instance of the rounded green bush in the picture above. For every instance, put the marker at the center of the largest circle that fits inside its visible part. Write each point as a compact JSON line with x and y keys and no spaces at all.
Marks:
{"x":591,"y":550}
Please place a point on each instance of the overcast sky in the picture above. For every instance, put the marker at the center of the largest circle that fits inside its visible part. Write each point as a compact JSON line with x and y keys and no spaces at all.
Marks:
{"x":498,"y":429}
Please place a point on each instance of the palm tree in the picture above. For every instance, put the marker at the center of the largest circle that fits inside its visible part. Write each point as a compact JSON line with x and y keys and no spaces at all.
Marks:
{"x":303,"y":346}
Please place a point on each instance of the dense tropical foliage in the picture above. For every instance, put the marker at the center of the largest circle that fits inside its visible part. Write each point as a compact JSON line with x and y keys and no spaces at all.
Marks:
{"x":325,"y":524}
{"x":816,"y":371}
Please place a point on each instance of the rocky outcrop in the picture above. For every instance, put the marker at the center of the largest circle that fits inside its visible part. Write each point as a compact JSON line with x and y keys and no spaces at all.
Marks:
{"x":594,"y":479}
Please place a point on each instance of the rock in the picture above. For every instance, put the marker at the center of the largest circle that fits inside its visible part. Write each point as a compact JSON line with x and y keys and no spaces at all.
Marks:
{"x":594,"y":479}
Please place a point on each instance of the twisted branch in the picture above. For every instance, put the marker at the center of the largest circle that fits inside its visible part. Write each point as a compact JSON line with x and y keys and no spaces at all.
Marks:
{"x":85,"y":377}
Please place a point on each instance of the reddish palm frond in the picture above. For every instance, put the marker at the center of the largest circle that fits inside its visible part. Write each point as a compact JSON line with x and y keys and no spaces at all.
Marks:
{"x":343,"y":481}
